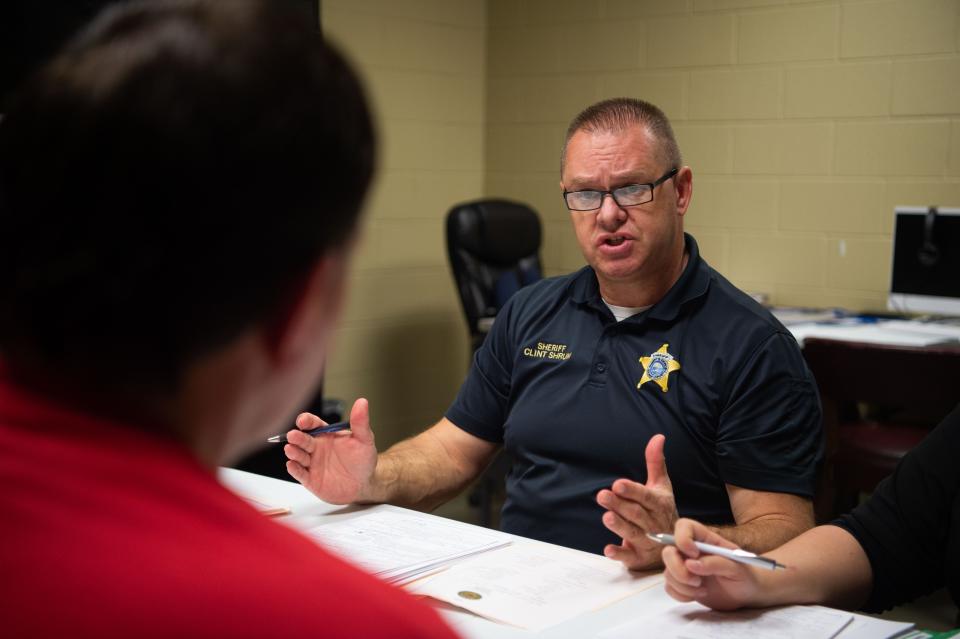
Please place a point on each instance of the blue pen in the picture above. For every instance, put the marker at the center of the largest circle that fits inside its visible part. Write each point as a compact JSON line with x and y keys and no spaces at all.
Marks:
{"x":313,"y":432}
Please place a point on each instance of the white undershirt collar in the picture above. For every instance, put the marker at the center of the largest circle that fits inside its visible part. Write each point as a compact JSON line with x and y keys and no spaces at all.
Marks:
{"x":623,"y":312}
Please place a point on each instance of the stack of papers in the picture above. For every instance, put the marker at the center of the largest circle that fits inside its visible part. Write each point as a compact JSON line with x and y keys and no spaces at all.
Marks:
{"x":945,"y":331}
{"x":400,"y":546}
{"x":534,"y":586}
{"x":878,"y":333}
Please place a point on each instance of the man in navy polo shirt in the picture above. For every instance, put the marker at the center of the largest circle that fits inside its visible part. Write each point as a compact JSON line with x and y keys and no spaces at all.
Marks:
{"x":599,"y":381}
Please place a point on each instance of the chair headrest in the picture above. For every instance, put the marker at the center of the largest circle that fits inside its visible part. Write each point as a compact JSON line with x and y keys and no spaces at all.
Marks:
{"x":499,"y":232}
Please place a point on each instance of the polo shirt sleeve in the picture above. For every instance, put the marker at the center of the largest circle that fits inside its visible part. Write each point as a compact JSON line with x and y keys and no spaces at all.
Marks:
{"x":482,"y":403}
{"x":905,"y":526}
{"x":770,"y":430}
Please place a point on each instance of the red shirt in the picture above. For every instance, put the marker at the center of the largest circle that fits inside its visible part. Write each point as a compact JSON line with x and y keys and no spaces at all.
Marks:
{"x":109,"y":531}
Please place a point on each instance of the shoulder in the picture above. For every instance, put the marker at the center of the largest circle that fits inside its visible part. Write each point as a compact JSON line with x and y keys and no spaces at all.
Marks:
{"x":725,"y":305}
{"x":547,"y":291}
{"x":539,"y":301}
{"x":932,"y":462}
{"x":362,"y":604}
{"x":908,"y":524}
{"x":267,"y":567}
{"x":729,"y":301}
{"x":742,"y":336}
{"x":170,"y":533}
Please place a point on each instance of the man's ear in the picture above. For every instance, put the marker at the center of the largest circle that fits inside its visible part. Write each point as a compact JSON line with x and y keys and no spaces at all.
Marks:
{"x":307,"y":311}
{"x":683,"y":183}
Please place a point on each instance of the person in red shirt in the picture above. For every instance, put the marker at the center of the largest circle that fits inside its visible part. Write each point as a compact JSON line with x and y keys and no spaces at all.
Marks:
{"x":179,"y":192}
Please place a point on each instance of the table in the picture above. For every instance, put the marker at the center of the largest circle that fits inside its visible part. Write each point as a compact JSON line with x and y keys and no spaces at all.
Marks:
{"x":885,"y":332}
{"x":308,"y":511}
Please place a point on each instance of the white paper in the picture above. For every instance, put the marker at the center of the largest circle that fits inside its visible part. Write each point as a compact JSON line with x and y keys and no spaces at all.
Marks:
{"x":535,"y":586}
{"x":864,"y":627}
{"x":399,"y":546}
{"x":663,"y":621}
{"x":870,"y":333}
{"x":791,"y":622}
{"x":694,"y":620}
{"x":944,"y":330}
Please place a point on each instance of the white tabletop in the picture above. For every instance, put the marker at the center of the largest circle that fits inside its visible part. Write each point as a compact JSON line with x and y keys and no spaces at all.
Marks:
{"x":308,"y":511}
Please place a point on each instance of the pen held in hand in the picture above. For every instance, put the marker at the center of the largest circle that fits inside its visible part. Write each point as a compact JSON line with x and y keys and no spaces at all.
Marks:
{"x":733,"y":554}
{"x":313,"y":432}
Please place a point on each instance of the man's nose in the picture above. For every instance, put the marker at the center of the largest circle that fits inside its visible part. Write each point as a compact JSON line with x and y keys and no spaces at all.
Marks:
{"x":610,"y":215}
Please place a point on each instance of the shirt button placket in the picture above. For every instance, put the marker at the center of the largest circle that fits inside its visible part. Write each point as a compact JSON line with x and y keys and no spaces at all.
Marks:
{"x":600,"y":358}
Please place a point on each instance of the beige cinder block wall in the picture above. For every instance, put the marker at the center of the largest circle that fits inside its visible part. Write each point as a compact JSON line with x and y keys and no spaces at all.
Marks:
{"x":804,"y":123}
{"x":402,"y":341}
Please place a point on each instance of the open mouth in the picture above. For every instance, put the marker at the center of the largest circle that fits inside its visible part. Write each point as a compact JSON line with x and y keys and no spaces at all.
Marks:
{"x":615,"y":241}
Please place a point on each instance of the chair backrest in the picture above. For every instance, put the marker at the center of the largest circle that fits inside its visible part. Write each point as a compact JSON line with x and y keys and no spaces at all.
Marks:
{"x":494,"y":250}
{"x":900,"y":385}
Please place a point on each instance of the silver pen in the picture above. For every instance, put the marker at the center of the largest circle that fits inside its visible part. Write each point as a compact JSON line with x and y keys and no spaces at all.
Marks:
{"x":737,"y":554}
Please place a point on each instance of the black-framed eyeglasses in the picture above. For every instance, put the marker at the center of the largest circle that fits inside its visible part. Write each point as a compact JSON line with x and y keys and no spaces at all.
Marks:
{"x":628,"y":195}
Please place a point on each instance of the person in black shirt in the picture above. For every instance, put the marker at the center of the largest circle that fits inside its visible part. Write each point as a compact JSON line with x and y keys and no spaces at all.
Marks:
{"x":902,"y":543}
{"x":601,"y":382}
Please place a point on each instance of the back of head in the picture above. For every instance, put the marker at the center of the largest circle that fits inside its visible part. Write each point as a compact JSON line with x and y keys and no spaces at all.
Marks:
{"x":167,"y":181}
{"x":618,"y":114}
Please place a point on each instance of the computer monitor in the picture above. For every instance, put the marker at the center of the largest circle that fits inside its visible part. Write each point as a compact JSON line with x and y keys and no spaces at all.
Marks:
{"x":925,"y":276}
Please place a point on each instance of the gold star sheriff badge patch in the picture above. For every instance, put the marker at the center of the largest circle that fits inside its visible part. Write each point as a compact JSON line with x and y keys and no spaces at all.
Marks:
{"x":657,"y":368}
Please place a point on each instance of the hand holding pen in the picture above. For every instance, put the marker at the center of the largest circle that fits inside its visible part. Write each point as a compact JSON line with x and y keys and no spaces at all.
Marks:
{"x":733,"y":554}
{"x":702,"y":566}
{"x":335,"y":466}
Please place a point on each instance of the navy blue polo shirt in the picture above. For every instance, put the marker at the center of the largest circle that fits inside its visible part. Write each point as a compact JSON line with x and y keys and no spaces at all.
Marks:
{"x":575,"y":396}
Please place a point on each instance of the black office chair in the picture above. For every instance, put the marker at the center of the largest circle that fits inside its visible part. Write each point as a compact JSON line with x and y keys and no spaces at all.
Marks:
{"x":494,"y":249}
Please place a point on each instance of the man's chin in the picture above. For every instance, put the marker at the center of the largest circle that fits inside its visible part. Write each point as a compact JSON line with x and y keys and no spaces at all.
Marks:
{"x":617,"y":271}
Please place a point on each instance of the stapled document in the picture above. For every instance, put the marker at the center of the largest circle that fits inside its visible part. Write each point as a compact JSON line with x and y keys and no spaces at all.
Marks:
{"x":400,"y":546}
{"x":535,"y":586}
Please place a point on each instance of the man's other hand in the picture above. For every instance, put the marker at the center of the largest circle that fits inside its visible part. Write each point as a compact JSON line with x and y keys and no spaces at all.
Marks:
{"x":634,"y":509}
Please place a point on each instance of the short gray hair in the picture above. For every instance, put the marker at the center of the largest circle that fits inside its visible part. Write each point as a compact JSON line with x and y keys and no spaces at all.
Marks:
{"x":618,"y":114}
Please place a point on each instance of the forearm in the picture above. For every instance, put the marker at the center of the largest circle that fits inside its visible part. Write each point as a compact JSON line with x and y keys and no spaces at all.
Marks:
{"x":825,"y":565}
{"x":766,"y":520}
{"x":421,"y":473}
{"x":766,"y":532}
